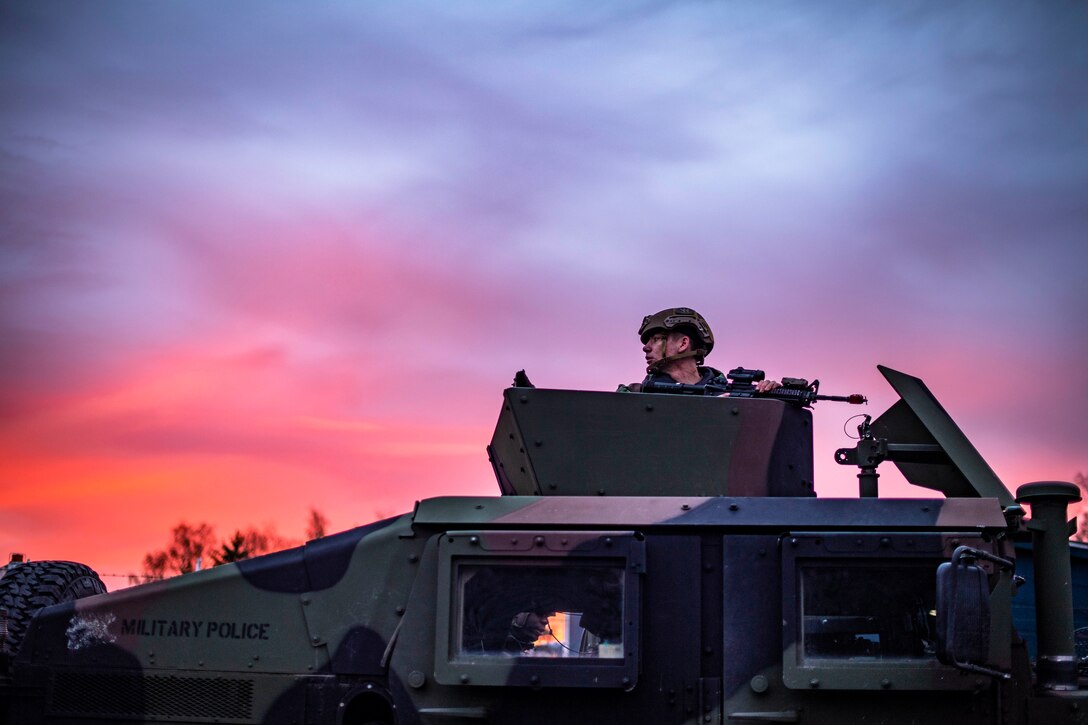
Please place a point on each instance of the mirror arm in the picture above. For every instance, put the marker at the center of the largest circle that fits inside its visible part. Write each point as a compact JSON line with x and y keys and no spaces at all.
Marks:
{"x":971,"y":554}
{"x":968,"y":667}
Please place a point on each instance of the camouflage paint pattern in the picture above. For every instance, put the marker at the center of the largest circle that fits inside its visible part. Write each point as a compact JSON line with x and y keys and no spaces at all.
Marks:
{"x":745,"y":599}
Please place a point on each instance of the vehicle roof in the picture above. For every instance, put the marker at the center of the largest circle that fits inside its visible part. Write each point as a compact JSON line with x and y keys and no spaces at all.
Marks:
{"x":641,"y":512}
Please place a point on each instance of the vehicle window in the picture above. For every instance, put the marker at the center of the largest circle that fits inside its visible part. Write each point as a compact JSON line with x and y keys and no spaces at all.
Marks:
{"x":868,"y":611}
{"x":542,"y":608}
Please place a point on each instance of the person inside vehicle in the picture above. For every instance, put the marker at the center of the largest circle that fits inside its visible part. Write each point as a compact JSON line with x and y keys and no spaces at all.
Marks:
{"x":506,"y":609}
{"x":525,"y":629}
{"x":675,"y":342}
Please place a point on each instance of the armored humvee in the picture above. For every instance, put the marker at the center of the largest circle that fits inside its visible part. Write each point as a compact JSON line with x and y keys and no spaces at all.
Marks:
{"x":653,"y":558}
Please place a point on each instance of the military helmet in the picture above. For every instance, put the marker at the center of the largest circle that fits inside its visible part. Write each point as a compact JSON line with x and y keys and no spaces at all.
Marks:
{"x":679,"y":319}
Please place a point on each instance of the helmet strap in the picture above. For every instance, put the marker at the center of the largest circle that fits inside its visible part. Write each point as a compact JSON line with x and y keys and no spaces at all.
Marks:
{"x":657,"y":367}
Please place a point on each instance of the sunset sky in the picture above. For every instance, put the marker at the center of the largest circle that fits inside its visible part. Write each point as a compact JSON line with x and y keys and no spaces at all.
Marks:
{"x":260,"y":257}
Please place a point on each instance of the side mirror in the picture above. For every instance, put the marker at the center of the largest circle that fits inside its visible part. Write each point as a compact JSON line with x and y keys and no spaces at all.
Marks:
{"x":963,"y":611}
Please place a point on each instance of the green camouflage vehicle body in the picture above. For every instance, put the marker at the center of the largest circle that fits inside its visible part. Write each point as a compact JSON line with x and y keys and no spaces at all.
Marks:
{"x":690,"y":572}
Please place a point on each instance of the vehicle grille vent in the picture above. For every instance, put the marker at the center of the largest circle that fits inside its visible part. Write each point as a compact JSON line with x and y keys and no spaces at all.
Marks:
{"x":158,"y":697}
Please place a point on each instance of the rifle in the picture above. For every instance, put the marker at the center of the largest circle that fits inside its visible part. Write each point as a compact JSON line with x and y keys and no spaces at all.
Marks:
{"x":741,"y":383}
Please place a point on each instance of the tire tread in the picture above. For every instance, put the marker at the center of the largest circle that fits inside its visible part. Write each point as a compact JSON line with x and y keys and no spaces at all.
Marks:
{"x":28,"y":587}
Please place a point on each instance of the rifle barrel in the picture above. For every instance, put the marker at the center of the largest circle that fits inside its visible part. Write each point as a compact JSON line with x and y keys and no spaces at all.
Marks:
{"x":853,"y":399}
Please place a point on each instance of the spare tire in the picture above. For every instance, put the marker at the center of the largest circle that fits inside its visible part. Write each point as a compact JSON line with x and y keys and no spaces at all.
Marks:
{"x":25,"y":588}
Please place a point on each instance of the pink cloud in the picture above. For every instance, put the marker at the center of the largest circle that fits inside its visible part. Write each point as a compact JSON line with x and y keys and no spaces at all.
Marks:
{"x":306,"y":259}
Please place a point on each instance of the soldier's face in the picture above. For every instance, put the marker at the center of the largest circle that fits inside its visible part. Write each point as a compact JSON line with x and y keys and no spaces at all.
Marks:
{"x":537,"y":624}
{"x":660,"y":345}
{"x":654,"y":349}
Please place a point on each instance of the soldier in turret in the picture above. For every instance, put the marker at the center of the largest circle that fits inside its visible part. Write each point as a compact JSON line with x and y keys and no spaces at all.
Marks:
{"x":675,"y":342}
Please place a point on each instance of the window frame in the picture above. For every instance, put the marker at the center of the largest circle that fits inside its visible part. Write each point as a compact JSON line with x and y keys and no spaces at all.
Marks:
{"x":907,"y":549}
{"x":622,"y":549}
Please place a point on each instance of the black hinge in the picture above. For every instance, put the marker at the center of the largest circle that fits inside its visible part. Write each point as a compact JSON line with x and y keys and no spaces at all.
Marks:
{"x":710,"y":700}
